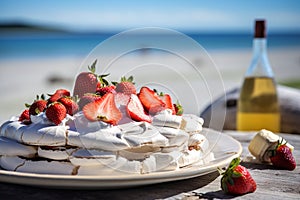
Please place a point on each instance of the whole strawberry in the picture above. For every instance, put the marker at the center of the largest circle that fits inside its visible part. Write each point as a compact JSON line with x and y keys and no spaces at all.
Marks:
{"x":126,"y":86}
{"x":71,"y":105}
{"x":282,"y":157}
{"x":107,"y":89}
{"x":25,"y":117}
{"x":237,"y":180}
{"x":58,"y":94}
{"x":86,"y":82}
{"x":56,"y":112}
{"x":38,"y":106}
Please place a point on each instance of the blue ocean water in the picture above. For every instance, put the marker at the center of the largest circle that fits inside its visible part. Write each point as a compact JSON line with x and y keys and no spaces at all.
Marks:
{"x":80,"y":44}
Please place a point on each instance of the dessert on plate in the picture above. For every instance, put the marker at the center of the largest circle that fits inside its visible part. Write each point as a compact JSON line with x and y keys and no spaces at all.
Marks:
{"x":103,"y":129}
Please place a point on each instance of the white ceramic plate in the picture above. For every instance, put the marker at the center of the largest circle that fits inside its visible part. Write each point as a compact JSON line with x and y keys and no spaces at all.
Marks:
{"x":224,"y":147}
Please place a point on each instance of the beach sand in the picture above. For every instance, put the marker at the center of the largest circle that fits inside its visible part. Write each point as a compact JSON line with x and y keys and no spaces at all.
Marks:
{"x":196,"y":80}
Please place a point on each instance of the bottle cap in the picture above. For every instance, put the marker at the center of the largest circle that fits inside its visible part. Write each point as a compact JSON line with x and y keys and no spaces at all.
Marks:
{"x":260,"y":29}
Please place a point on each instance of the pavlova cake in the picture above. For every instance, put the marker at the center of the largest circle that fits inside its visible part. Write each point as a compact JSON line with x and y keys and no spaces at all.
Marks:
{"x":103,"y":128}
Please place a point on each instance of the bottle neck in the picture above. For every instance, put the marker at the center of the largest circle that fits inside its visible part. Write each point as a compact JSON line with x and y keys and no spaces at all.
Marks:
{"x":260,"y":65}
{"x":259,"y":47}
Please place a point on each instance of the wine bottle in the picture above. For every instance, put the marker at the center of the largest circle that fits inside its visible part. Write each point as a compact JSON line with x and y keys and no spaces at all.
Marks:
{"x":258,"y":106}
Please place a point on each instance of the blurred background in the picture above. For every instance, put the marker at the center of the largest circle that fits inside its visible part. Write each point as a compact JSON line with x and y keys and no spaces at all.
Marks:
{"x":44,"y":43}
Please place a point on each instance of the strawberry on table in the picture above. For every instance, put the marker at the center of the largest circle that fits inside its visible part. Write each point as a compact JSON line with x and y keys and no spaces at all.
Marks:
{"x":56,"y":112}
{"x":151,"y":101}
{"x":237,"y":180}
{"x":282,"y":157}
{"x":86,"y":82}
{"x":136,"y":111}
{"x":103,"y":109}
{"x":71,"y":105}
{"x":126,"y":86}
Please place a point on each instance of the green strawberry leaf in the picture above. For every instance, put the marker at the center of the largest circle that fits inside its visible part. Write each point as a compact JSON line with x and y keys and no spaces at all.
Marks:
{"x":224,"y":185}
{"x":233,"y":164}
{"x":92,"y":68}
{"x":230,"y":181}
{"x":130,"y":79}
{"x":43,"y":97}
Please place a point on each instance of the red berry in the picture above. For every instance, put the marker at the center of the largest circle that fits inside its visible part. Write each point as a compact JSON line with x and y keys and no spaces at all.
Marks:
{"x":166,"y":98}
{"x":87,"y":98}
{"x":136,"y":111}
{"x":151,"y":101}
{"x":25,"y":117}
{"x":56,"y":112}
{"x":237,"y":180}
{"x":282,"y":157}
{"x":103,"y":109}
{"x":71,"y":106}
{"x":37,"y":107}
{"x":86,"y":82}
{"x":126,"y":86}
{"x":58,"y":94}
{"x":107,"y":89}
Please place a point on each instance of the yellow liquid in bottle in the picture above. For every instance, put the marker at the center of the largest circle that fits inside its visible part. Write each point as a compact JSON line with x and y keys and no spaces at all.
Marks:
{"x":258,"y":106}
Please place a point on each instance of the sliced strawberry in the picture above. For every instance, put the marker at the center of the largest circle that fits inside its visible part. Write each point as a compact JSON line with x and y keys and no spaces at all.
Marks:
{"x":121,"y":100}
{"x":103,"y":109}
{"x":151,"y":101}
{"x":166,"y":98}
{"x":136,"y":110}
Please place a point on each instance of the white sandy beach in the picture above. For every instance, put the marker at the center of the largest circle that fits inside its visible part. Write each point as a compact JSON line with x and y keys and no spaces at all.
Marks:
{"x":195,"y":86}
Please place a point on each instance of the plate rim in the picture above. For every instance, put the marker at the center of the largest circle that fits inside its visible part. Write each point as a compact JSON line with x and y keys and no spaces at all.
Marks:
{"x":109,"y":182}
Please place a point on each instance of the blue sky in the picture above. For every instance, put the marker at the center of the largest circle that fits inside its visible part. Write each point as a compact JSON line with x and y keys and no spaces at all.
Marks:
{"x":210,"y":15}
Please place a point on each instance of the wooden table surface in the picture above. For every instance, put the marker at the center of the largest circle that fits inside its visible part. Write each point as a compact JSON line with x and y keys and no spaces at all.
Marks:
{"x":271,"y":183}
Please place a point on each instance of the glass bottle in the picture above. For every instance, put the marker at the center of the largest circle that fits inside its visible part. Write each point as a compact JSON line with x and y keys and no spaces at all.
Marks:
{"x":258,"y":106}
